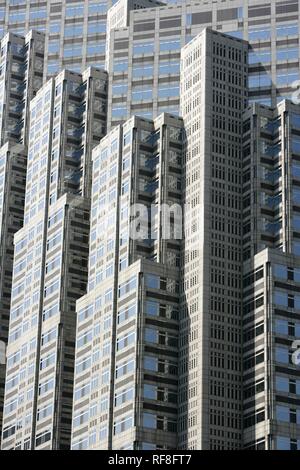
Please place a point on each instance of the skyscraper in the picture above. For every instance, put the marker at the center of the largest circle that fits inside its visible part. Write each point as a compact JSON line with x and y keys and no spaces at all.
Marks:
{"x":143,"y":56}
{"x":152,"y":292}
{"x":213,"y":96}
{"x":75,"y":32}
{"x":271,"y":324}
{"x":21,"y":76}
{"x":67,"y":118}
{"x":126,"y":368}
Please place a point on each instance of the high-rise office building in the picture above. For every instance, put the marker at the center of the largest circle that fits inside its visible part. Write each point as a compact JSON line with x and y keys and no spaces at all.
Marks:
{"x":126,"y":368}
{"x":271,"y":329}
{"x":143,"y":56}
{"x":213,"y":96}
{"x":21,"y":76}
{"x":142,"y":333}
{"x":22,"y":66}
{"x":2,"y":377}
{"x":13,"y":160}
{"x":270,"y":176}
{"x":271,"y":324}
{"x":67,"y":119}
{"x":75,"y":31}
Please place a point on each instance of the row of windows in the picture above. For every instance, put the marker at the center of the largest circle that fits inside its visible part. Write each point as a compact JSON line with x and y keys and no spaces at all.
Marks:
{"x":147,"y":70}
{"x":41,"y":13}
{"x":284,"y":299}
{"x":287,"y":414}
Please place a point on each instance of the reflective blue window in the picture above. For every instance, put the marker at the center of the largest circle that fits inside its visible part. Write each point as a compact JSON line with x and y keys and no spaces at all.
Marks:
{"x":283,"y":443}
{"x":169,"y":68}
{"x":74,"y":10}
{"x":281,"y":298}
{"x":259,"y":34}
{"x":272,"y":176}
{"x":143,"y":48}
{"x":271,"y":201}
{"x":119,"y":89}
{"x":281,"y":327}
{"x":73,"y":30}
{"x":17,"y":16}
{"x":296,"y":248}
{"x":287,"y":77}
{"x":297,"y":302}
{"x":287,"y":30}
{"x":296,"y":195}
{"x":150,"y":363}
{"x":149,"y":420}
{"x":169,"y":45}
{"x":282,"y":384}
{"x":168,"y":91}
{"x":37,"y":14}
{"x":75,"y":50}
{"x":152,"y":281}
{"x":96,"y":27}
{"x":54,"y":28}
{"x":236,"y":34}
{"x":260,"y":80}
{"x":53,"y":47}
{"x":127,"y":312}
{"x":281,"y":355}
{"x":97,"y":8}
{"x":282,"y":413}
{"x":295,"y":119}
{"x":127,"y":138}
{"x":152,"y":308}
{"x":123,"y":424}
{"x":296,"y":274}
{"x":272,"y":227}
{"x":287,"y":53}
{"x":150,"y":391}
{"x":296,"y":222}
{"x":240,"y":13}
{"x":120,"y":66}
{"x":140,"y":95}
{"x":151,"y":335}
{"x":125,"y":340}
{"x":188,"y":19}
{"x":95,"y":48}
{"x":259,"y":56}
{"x":280,"y":271}
{"x":144,"y":71}
{"x":271,"y":150}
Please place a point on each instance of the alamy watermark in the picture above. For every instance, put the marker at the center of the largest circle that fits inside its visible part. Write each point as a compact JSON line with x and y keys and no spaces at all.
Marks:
{"x":295,"y":97}
{"x":143,"y":222}
{"x":296,"y":352}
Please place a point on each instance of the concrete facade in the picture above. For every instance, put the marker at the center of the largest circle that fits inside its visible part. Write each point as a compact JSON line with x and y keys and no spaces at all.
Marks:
{"x":213,"y":95}
{"x":22,"y":62}
{"x":184,"y":339}
{"x":271,"y":415}
{"x":143,"y":56}
{"x":67,"y":119}
{"x":127,"y":328}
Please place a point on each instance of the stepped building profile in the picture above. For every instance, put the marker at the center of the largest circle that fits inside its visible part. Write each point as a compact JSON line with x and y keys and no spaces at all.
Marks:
{"x":150,"y":225}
